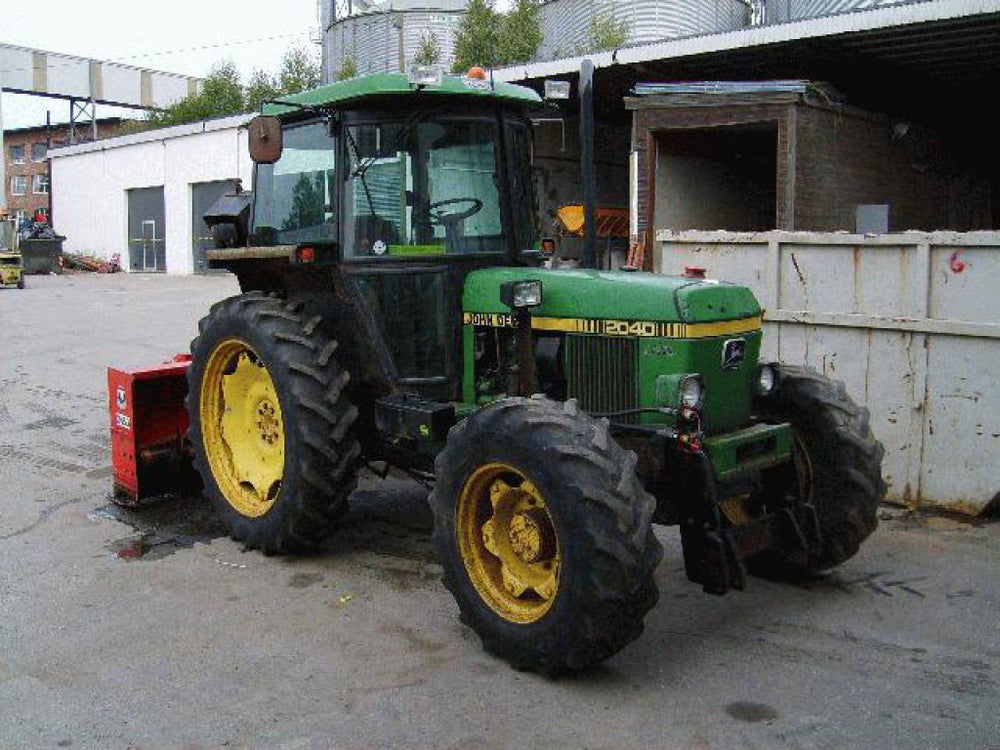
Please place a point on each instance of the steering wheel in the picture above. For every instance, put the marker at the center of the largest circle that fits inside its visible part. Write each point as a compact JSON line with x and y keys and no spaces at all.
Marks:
{"x":442,"y":219}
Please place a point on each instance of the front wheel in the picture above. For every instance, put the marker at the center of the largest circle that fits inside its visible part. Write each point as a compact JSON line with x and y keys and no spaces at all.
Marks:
{"x":836,"y":467}
{"x":545,"y":534}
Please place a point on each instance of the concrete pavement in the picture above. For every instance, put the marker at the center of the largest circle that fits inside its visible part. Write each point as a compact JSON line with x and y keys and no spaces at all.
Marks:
{"x":145,"y":630}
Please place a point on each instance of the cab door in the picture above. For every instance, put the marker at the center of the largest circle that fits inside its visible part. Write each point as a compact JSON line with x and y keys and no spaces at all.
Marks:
{"x":420,"y":210}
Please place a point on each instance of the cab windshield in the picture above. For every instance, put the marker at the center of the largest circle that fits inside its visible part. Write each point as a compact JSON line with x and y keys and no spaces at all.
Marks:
{"x":422,"y":188}
{"x":413,"y":187}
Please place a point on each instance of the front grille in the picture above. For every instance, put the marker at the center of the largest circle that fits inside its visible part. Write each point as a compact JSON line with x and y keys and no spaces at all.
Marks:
{"x":601,"y":373}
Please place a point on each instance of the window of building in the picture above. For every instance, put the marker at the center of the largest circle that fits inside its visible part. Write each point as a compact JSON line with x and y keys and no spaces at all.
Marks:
{"x":19,"y":185}
{"x":40,"y":184}
{"x":17,"y":154}
{"x":38,"y":151}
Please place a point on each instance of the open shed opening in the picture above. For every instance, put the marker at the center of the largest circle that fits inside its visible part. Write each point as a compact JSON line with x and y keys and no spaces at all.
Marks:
{"x":717,"y":178}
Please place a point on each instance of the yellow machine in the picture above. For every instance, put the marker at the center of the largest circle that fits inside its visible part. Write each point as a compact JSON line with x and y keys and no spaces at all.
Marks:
{"x":11,"y":269}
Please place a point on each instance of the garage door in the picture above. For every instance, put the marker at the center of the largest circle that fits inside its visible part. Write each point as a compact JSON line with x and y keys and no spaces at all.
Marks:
{"x":203,"y":195}
{"x":147,"y":248}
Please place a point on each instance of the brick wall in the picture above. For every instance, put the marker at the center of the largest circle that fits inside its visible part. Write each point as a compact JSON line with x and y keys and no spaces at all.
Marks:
{"x":650,"y":119}
{"x":844,"y":159}
{"x":841,"y":158}
{"x":24,"y":139}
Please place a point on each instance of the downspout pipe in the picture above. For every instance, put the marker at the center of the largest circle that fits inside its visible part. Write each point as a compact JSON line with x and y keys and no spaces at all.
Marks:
{"x":589,"y":258}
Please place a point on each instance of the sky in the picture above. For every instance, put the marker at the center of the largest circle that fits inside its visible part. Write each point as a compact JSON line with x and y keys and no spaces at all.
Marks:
{"x":178,"y":36}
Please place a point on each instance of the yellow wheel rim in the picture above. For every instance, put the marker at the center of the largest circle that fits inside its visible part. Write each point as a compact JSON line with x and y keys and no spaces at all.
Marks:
{"x":738,"y":510}
{"x":803,"y":468}
{"x":508,"y":542}
{"x":242,"y":428}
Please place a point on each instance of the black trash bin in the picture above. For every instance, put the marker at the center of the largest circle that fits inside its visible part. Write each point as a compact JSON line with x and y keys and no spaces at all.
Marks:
{"x":41,"y":256}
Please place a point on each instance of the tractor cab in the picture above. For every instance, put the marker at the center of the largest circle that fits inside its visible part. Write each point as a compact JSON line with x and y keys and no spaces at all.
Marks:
{"x":405,"y":187}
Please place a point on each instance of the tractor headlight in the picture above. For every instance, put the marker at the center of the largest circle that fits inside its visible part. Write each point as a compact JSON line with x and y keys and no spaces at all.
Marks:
{"x":691,"y":391}
{"x":765,"y":380}
{"x":521,"y":294}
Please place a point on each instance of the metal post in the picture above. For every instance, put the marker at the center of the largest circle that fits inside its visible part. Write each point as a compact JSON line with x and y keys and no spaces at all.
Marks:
{"x":48,"y":163}
{"x":72,"y":122}
{"x":589,"y":259}
{"x":3,"y":162}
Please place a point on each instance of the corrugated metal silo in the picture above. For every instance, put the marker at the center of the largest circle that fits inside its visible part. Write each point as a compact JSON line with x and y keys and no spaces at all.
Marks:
{"x":566,"y":24}
{"x":780,"y":11}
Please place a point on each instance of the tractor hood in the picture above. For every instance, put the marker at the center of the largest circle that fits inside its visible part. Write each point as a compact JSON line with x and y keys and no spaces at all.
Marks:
{"x":615,"y":295}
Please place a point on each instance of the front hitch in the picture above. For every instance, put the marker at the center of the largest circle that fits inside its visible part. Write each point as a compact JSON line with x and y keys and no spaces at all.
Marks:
{"x":715,"y":553}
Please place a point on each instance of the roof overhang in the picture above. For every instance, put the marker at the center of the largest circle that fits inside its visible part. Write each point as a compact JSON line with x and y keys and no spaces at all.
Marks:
{"x":933,"y":60}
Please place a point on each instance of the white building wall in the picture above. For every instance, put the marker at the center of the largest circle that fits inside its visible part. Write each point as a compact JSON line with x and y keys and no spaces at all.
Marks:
{"x":90,"y":184}
{"x":219,"y":155}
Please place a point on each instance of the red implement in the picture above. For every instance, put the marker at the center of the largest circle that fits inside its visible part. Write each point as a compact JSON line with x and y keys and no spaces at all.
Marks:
{"x":148,"y":425}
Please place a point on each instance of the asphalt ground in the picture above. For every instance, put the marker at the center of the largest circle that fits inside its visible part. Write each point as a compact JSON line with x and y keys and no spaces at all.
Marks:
{"x":153,"y":629}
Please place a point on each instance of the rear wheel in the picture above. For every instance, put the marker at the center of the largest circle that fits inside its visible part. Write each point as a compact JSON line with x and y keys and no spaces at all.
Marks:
{"x":20,"y":283}
{"x":836,"y":466}
{"x":545,"y":534}
{"x":270,"y":426}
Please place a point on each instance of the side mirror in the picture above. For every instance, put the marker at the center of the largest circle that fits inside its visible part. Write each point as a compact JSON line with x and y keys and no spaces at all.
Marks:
{"x":265,"y":139}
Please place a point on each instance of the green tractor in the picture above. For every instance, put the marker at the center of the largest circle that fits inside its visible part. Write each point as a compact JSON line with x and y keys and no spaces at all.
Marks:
{"x":396,"y":311}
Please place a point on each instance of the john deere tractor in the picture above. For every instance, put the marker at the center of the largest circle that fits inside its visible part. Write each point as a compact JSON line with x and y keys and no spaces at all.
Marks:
{"x":395,"y":311}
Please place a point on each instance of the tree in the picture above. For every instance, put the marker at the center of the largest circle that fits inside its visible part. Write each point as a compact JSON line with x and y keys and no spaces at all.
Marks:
{"x":607,"y":33}
{"x":488,"y":38}
{"x":348,"y":68}
{"x":476,"y":38}
{"x":260,"y":89}
{"x":519,"y":33}
{"x":221,"y":94}
{"x":299,"y":71}
{"x":428,"y":50}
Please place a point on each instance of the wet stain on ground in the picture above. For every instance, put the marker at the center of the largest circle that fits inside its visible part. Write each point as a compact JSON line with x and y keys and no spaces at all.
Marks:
{"x":753,"y":713}
{"x":391,"y":518}
{"x":883,"y":583}
{"x":43,"y":517}
{"x":304,"y":580}
{"x":164,"y":526}
{"x":129,"y":548}
{"x":54,"y":422}
{"x":415,"y":640}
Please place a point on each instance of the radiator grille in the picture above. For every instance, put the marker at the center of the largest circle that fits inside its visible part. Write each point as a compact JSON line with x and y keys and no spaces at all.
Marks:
{"x":601,"y":373}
